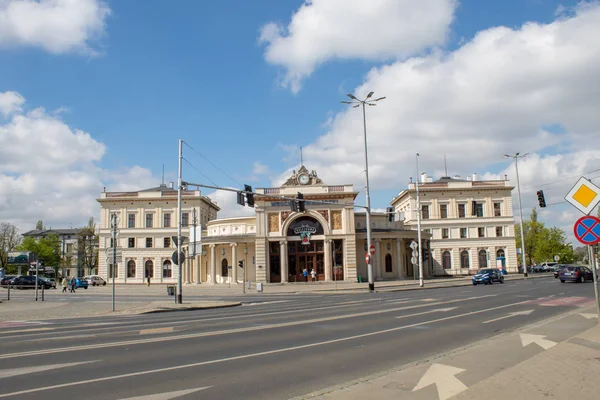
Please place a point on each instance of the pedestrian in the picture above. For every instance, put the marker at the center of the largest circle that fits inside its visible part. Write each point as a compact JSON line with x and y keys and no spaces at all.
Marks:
{"x":313,"y":275}
{"x":73,"y":285}
{"x":305,"y":273}
{"x":64,"y":285}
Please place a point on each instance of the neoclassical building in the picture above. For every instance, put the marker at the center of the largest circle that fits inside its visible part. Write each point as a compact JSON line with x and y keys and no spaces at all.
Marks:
{"x":274,"y":246}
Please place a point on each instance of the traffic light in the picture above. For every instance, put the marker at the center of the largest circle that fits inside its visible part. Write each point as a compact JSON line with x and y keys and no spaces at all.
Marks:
{"x":249,"y":195}
{"x":294,"y":205}
{"x":425,"y":254}
{"x":240,"y":199}
{"x":301,"y":205}
{"x":390,"y":213}
{"x":241,"y":264}
{"x":541,"y":199}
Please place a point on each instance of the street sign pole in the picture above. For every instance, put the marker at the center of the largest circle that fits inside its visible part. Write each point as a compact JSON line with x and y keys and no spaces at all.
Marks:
{"x":592,"y":257}
{"x":179,"y":297}
{"x":114,"y":258}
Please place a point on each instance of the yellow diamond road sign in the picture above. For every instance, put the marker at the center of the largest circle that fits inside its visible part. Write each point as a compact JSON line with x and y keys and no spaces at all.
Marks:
{"x":584,"y":195}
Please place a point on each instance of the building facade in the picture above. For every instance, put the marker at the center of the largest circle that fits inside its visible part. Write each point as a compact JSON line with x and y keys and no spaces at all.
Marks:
{"x":274,"y":246}
{"x":470,"y":220}
{"x":71,"y":250}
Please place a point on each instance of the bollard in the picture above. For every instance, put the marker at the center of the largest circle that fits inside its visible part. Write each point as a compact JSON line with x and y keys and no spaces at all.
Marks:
{"x":9,"y":291}
{"x":43,"y":289}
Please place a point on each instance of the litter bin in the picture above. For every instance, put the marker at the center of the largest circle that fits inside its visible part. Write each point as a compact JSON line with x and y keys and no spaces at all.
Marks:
{"x":171,"y":290}
{"x":360,"y":279}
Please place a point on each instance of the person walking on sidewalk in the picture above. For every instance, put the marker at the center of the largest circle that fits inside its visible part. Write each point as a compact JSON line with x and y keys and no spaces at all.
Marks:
{"x":313,"y":275}
{"x":305,"y":273}
{"x":73,"y":284}
{"x":64,"y":285}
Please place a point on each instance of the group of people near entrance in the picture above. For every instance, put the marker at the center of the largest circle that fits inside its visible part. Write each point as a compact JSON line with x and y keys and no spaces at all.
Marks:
{"x":313,"y":275}
{"x":71,"y":284}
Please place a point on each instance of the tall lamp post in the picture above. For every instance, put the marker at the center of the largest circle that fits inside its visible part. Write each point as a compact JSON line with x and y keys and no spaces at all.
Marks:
{"x":355,"y":104}
{"x":420,"y":252}
{"x":516,"y":157}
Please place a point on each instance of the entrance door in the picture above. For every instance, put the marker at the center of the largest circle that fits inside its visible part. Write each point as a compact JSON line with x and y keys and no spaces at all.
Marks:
{"x":305,"y":261}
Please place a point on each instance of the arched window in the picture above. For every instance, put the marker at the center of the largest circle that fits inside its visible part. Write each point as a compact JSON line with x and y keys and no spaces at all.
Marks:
{"x":500,"y":256}
{"x":149,"y":269}
{"x":167,"y":270}
{"x":482,"y":259}
{"x":131,"y":269}
{"x":224,"y":270}
{"x":464,"y":259}
{"x":388,"y":262}
{"x":446,"y":260}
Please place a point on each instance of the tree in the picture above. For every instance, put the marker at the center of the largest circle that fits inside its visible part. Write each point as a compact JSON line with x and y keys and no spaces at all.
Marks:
{"x":87,"y":247}
{"x":9,"y":240}
{"x":40,"y":225}
{"x":46,"y":248}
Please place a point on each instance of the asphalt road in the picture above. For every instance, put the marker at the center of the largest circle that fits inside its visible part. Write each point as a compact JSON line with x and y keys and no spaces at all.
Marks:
{"x":272,"y":347}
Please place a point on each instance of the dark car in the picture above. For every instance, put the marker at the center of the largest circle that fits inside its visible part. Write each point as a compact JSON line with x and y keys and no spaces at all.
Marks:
{"x":575,"y":273}
{"x":488,"y":276}
{"x":7,"y":278}
{"x":557,"y":269}
{"x":28,"y":282}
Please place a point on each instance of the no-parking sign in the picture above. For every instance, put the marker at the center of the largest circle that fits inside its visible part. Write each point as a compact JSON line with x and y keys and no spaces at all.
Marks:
{"x":587,"y":230}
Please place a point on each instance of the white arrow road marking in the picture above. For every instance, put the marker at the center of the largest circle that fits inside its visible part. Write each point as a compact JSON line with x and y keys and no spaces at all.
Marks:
{"x":167,"y":395}
{"x":527,"y":339}
{"x":6,"y":373}
{"x":512,"y":314}
{"x":588,"y":316}
{"x":443,"y":377}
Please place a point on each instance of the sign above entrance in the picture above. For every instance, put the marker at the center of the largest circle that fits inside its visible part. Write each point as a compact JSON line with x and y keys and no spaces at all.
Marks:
{"x":305,"y":225}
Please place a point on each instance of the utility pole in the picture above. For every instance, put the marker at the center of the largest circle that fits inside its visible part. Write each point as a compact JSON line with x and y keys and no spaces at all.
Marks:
{"x":179,"y":254}
{"x":524,"y":258}
{"x":193,"y":248}
{"x":114,"y":257}
{"x":419,"y":255}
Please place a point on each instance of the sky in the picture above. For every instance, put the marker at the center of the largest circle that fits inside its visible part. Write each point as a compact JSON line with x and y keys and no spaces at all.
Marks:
{"x":97,"y":94}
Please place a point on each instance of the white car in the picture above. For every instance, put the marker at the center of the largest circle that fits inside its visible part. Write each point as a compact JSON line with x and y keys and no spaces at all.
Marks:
{"x":95,"y":280}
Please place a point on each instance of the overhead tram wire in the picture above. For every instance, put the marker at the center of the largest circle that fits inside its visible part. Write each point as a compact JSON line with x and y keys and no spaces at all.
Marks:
{"x":563,"y":180}
{"x":213,"y":164}
{"x":200,"y":172}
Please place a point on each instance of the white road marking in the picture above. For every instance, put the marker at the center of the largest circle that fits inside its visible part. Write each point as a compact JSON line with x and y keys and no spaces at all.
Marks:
{"x":167,"y":395}
{"x":156,"y":330}
{"x":7,"y":373}
{"x":588,"y":316}
{"x":263,"y":353}
{"x":58,"y":338}
{"x":443,"y":376}
{"x":512,"y":314}
{"x":428,"y":312}
{"x":527,"y":339}
{"x":240,"y":330}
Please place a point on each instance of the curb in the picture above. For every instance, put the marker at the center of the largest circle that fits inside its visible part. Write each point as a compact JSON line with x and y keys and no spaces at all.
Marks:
{"x":191,"y":308}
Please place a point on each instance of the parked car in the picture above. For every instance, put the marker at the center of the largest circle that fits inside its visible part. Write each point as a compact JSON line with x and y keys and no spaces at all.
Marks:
{"x":575,"y":273}
{"x":81,"y":283}
{"x":4,"y":281}
{"x":488,"y":276}
{"x":95,"y":280}
{"x":51,"y":281}
{"x":28,"y":282}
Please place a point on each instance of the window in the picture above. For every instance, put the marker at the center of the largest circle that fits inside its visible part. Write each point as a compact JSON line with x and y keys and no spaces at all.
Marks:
{"x":131,"y":221}
{"x":149,"y":269}
{"x":224,"y":269}
{"x":131,"y":243}
{"x":500,"y":256}
{"x":425,"y":212}
{"x":185,"y":219}
{"x":445,"y":233}
{"x":463,"y":233}
{"x":427,"y":230}
{"x":480,"y":232}
{"x":499,"y":231}
{"x":167,"y":270}
{"x":148,"y":242}
{"x":464,"y":259}
{"x":131,"y":269}
{"x":167,"y":220}
{"x":443,"y":211}
{"x":461,"y":210}
{"x":479,"y":209}
{"x":167,"y":242}
{"x":497,"y":212}
{"x":388,"y":262}
{"x":149,"y":220}
{"x":482,"y":259}
{"x":446,"y":260}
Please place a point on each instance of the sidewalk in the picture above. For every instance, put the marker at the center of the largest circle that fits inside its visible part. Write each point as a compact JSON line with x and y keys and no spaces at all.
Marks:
{"x":554,"y":359}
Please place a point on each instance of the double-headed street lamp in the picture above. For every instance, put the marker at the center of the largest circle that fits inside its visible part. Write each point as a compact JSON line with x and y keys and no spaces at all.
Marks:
{"x":516,"y":158}
{"x":355,"y":104}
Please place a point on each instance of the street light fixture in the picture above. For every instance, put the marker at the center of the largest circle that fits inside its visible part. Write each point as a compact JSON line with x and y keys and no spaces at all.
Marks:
{"x":355,"y":104}
{"x":516,"y":157}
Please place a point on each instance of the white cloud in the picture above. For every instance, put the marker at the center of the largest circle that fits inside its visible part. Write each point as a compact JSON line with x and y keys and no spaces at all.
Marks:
{"x":50,"y":171}
{"x":530,"y":89}
{"x":227,"y":201}
{"x":10,"y":102}
{"x":322,"y":30}
{"x":260,"y":169}
{"x":57,"y":26}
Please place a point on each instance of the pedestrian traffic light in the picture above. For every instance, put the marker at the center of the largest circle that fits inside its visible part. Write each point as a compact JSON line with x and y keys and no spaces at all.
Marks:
{"x":249,"y":195}
{"x":301,"y":205}
{"x":390,"y":213}
{"x":241,"y":264}
{"x":541,"y":199}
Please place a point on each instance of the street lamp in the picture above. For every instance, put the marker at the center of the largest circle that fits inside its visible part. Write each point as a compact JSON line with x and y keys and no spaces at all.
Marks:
{"x":355,"y":104}
{"x":419,"y":253}
{"x":516,"y":158}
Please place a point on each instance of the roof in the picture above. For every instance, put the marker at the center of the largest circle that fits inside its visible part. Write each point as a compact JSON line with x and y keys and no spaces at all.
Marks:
{"x":46,"y":232}
{"x":161,"y":188}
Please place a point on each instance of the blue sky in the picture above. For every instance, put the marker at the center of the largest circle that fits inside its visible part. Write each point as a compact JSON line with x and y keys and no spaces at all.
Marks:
{"x":196,"y":70}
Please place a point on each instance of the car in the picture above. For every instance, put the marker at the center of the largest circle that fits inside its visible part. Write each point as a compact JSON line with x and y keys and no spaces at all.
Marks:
{"x":95,"y":280}
{"x":557,"y":269}
{"x":28,"y":282}
{"x":575,"y":273}
{"x":51,"y":281}
{"x":81,"y":283}
{"x":4,"y":281}
{"x":487,"y":276}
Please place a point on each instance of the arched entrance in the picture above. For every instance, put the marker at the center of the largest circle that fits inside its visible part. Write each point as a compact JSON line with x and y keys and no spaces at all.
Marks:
{"x":224,"y":269}
{"x":303,"y":252}
{"x":502,"y":257}
{"x":149,"y":269}
{"x":483,"y":259}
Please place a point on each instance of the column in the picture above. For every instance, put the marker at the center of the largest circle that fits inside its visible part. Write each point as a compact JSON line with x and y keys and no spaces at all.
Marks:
{"x":399,"y":273}
{"x":328,"y":259}
{"x":213,"y":265}
{"x":188,"y":268}
{"x":140,"y":269}
{"x":283,"y":261}
{"x":378,"y":259}
{"x":197,"y":261}
{"x":234,"y":263}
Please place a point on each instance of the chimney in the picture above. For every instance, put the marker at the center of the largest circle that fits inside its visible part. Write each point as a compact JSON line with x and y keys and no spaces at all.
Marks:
{"x":505,"y":177}
{"x":172,"y":185}
{"x":474,"y":176}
